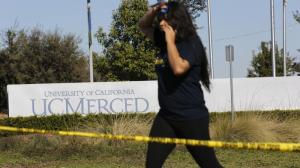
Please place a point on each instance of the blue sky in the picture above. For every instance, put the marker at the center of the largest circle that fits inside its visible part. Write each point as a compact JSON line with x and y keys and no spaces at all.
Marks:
{"x":241,"y":23}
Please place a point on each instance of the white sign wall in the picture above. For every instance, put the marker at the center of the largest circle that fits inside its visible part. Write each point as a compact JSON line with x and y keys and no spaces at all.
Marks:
{"x":84,"y":98}
{"x":113,"y":97}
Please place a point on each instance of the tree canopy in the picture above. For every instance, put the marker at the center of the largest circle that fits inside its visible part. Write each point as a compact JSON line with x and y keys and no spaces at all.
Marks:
{"x":195,"y":6}
{"x":297,"y":16}
{"x":39,"y":57}
{"x":261,"y":64}
{"x":127,"y":54}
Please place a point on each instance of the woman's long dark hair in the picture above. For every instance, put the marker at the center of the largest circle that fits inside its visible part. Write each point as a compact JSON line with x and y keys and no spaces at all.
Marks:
{"x":180,"y":19}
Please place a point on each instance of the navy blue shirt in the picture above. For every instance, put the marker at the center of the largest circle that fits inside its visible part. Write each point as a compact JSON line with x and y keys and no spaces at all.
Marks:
{"x":181,"y":97}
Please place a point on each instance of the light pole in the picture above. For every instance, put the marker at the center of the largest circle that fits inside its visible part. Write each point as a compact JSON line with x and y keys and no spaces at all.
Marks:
{"x":210,"y":51}
{"x":284,"y":37}
{"x":273,"y":37}
{"x":90,"y":40}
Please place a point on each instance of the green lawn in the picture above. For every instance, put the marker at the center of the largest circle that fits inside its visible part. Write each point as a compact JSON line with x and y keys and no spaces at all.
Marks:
{"x":132,"y":155}
{"x":38,"y":151}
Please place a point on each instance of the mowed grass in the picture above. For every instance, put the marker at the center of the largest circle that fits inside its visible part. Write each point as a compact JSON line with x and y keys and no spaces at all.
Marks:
{"x":133,"y":155}
{"x":34,"y":151}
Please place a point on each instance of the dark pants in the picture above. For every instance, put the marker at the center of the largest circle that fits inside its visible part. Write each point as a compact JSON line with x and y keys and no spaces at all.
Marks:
{"x":190,"y":129}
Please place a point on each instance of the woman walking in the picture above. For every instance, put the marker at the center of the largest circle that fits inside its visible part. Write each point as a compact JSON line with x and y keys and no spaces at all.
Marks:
{"x":180,"y":65}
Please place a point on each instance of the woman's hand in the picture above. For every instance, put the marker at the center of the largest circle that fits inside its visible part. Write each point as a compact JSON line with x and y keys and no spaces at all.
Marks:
{"x":170,"y":33}
{"x":145,"y":23}
{"x":178,"y":65}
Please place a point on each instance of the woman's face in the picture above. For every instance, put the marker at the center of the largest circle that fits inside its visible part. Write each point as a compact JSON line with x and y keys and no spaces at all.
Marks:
{"x":162,"y":17}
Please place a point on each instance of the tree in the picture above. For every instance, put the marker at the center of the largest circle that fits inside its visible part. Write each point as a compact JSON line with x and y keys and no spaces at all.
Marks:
{"x":297,"y":16}
{"x":127,"y":54}
{"x":297,"y":67}
{"x":38,"y":57}
{"x":261,"y":65}
{"x":195,"y":6}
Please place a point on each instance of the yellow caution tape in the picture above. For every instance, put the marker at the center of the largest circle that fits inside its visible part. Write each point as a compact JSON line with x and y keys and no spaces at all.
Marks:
{"x":216,"y":144}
